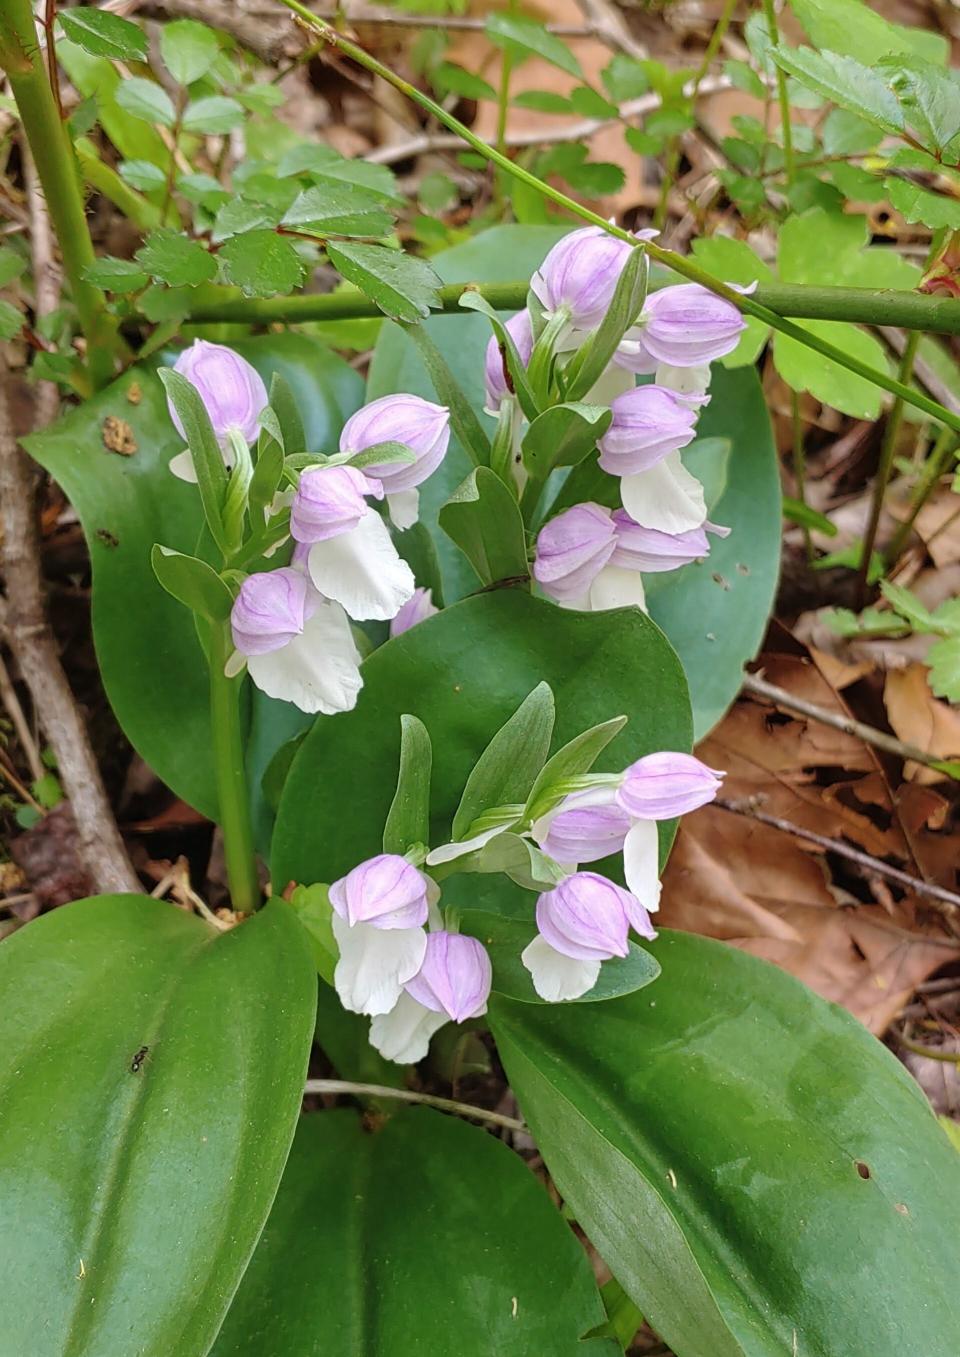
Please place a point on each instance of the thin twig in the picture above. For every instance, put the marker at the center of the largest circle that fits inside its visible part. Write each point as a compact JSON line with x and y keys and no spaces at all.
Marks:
{"x":947,"y":902}
{"x":405,"y":1095}
{"x":929,"y":1052}
{"x":30,"y":638}
{"x":8,"y":696}
{"x":880,"y":739}
{"x":46,"y":277}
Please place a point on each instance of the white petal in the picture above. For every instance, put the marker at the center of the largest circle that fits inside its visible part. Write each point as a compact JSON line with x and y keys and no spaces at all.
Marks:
{"x":641,"y":863}
{"x":403,"y":1035}
{"x":404,"y":508}
{"x":361,"y":570}
{"x":667,"y":497}
{"x":557,"y":977}
{"x":375,"y":964}
{"x":448,"y":852}
{"x":319,"y":670}
{"x":617,"y":587}
{"x":614,"y":382}
{"x":183,"y":468}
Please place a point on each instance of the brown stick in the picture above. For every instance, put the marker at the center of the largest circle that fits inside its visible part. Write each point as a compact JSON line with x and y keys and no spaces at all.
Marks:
{"x":30,"y":638}
{"x":869,"y":734}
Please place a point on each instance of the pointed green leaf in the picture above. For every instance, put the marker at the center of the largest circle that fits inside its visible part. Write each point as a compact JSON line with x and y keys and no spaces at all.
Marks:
{"x":507,"y":768}
{"x":575,"y":758}
{"x":193,"y":583}
{"x":483,"y":518}
{"x":261,"y":264}
{"x":400,"y":284}
{"x":526,"y":38}
{"x":188,"y":49}
{"x":408,"y":819}
{"x":340,"y":210}
{"x":175,"y":259}
{"x":147,"y":100}
{"x":846,"y":82}
{"x":103,"y":34}
{"x":563,"y":436}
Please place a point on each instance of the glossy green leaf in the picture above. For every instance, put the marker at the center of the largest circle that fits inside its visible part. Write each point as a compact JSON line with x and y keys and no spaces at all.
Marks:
{"x":135,"y":1197}
{"x":173,"y":258}
{"x":116,"y":275}
{"x":145,"y":99}
{"x":194,"y":583}
{"x":147,"y":647}
{"x":714,"y":613}
{"x":916,"y":203}
{"x":463,"y":673}
{"x":563,"y":436}
{"x":507,"y":769}
{"x":103,"y":34}
{"x":483,"y":518}
{"x":408,"y":819}
{"x":400,"y":284}
{"x":854,"y":29}
{"x":340,"y":209}
{"x":426,"y":1237}
{"x":188,"y":49}
{"x":762,"y":1176}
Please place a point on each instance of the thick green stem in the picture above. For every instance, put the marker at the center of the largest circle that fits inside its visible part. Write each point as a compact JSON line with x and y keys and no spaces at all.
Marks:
{"x":231,"y":775}
{"x":21,"y":59}
{"x":782,"y":96}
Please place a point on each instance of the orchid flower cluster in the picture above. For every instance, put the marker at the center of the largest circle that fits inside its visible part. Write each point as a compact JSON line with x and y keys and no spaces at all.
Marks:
{"x":291,"y":624}
{"x":588,"y":331}
{"x":403,"y":958}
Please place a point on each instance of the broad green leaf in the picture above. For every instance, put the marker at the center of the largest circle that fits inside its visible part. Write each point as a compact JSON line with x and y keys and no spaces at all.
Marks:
{"x":853,"y":29}
{"x":845,"y":82}
{"x":340,"y":210}
{"x":145,"y":99}
{"x":213,"y":116}
{"x":575,"y":758}
{"x":142,"y":175}
{"x":188,"y":49}
{"x":324,"y":165}
{"x":96,"y":78}
{"x":400,"y":284}
{"x":483,"y":518}
{"x":116,"y":275}
{"x":562,"y":436}
{"x":237,"y":215}
{"x":625,"y":78}
{"x":464,"y":422}
{"x":714,"y":613}
{"x":283,"y":402}
{"x":103,"y":34}
{"x":426,"y":1237}
{"x":590,"y":104}
{"x":312,"y":906}
{"x":175,"y":259}
{"x":508,"y":767}
{"x":449,"y":78}
{"x":150,"y":659}
{"x":193,"y":582}
{"x":806,"y":370}
{"x":931,"y":97}
{"x":261,"y":264}
{"x":844,"y":133}
{"x":733,"y":1146}
{"x":463,"y":673}
{"x":132,"y":1206}
{"x":526,"y":38}
{"x":408,"y":820}
{"x":919,"y":204}
{"x":735,"y":262}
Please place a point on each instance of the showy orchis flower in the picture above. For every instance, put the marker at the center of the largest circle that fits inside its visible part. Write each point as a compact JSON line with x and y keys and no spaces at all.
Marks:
{"x":582,"y":922}
{"x":421,"y":426}
{"x":585,"y":827}
{"x":297,"y":646}
{"x":455,"y":976}
{"x":684,"y":326}
{"x":379,"y":911}
{"x":415,"y":610}
{"x":329,"y":500}
{"x":572,"y":549}
{"x":580,"y":275}
{"x":689,"y":385}
{"x":650,"y":551}
{"x":648,"y":423}
{"x":520,"y":329}
{"x":664,"y":785}
{"x":403,"y":1035}
{"x":233,"y":395}
{"x":666,"y":497}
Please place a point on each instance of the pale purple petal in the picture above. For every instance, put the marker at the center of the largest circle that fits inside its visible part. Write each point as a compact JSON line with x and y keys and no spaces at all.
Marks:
{"x":418,"y":424}
{"x":572,"y":549}
{"x":385,"y":891}
{"x":415,"y":610}
{"x":581,"y":273}
{"x":663,"y":785}
{"x":495,"y":371}
{"x":585,"y":827}
{"x":270,"y":610}
{"x":232,"y":391}
{"x":688,"y":325}
{"x":585,"y":917}
{"x":330,"y":501}
{"x":455,"y":976}
{"x":648,"y":423}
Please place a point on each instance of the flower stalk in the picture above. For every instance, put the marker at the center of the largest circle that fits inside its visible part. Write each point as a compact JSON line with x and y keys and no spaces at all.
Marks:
{"x":231,"y":775}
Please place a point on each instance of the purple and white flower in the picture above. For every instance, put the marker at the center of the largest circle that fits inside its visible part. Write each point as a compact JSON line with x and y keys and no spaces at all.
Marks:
{"x":666,"y":497}
{"x":651,"y":551}
{"x":664,"y":785}
{"x":455,"y":977}
{"x":416,"y":610}
{"x":582,"y":922}
{"x":648,"y":423}
{"x":329,"y":501}
{"x":233,"y":395}
{"x":422,"y":427}
{"x":580,"y":275}
{"x":495,"y":374}
{"x":379,"y":912}
{"x":585,"y":827}
{"x":403,"y":1035}
{"x":297,"y":645}
{"x":572,"y":549}
{"x":684,"y":326}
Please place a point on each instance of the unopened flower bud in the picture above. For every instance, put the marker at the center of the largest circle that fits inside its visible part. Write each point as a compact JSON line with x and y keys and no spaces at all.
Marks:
{"x":663,"y":785}
{"x":270,"y":610}
{"x":652,"y":551}
{"x":495,"y":372}
{"x":648,"y":423}
{"x":584,"y":827}
{"x":330,"y":501}
{"x":455,"y":976}
{"x":415,"y":610}
{"x":586,"y":917}
{"x":572,"y":549}
{"x":684,"y":326}
{"x":418,"y":424}
{"x":232,"y":391}
{"x":580,"y":274}
{"x":385,"y":892}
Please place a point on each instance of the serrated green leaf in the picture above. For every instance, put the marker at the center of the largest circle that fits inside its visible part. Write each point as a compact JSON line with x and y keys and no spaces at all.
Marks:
{"x":213,"y":116}
{"x":526,"y":38}
{"x":192,"y":582}
{"x":931,"y":97}
{"x":261,"y":263}
{"x":844,"y":133}
{"x":508,"y":767}
{"x":806,"y":370}
{"x":116,"y":275}
{"x":918,"y":204}
{"x":11,"y":320}
{"x":325,"y":166}
{"x":449,"y":78}
{"x":401,"y":285}
{"x":174,"y":258}
{"x":188,"y":49}
{"x":846,"y":82}
{"x":142,"y":174}
{"x":851,"y":28}
{"x":240,"y":214}
{"x":145,"y":99}
{"x":340,"y":209}
{"x":483,"y":518}
{"x":624,"y":78}
{"x":161,"y":304}
{"x":909,"y":606}
{"x":103,"y":34}
{"x":408,"y":819}
{"x":542,"y":101}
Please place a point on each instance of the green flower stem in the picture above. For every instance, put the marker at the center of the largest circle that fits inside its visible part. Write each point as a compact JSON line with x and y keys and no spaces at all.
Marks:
{"x":232,"y":775}
{"x":856,"y":305}
{"x":770,"y":14}
{"x":21,"y":58}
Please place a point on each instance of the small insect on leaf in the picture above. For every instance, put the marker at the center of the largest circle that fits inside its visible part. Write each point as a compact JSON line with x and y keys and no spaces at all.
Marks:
{"x":137,"y":1062}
